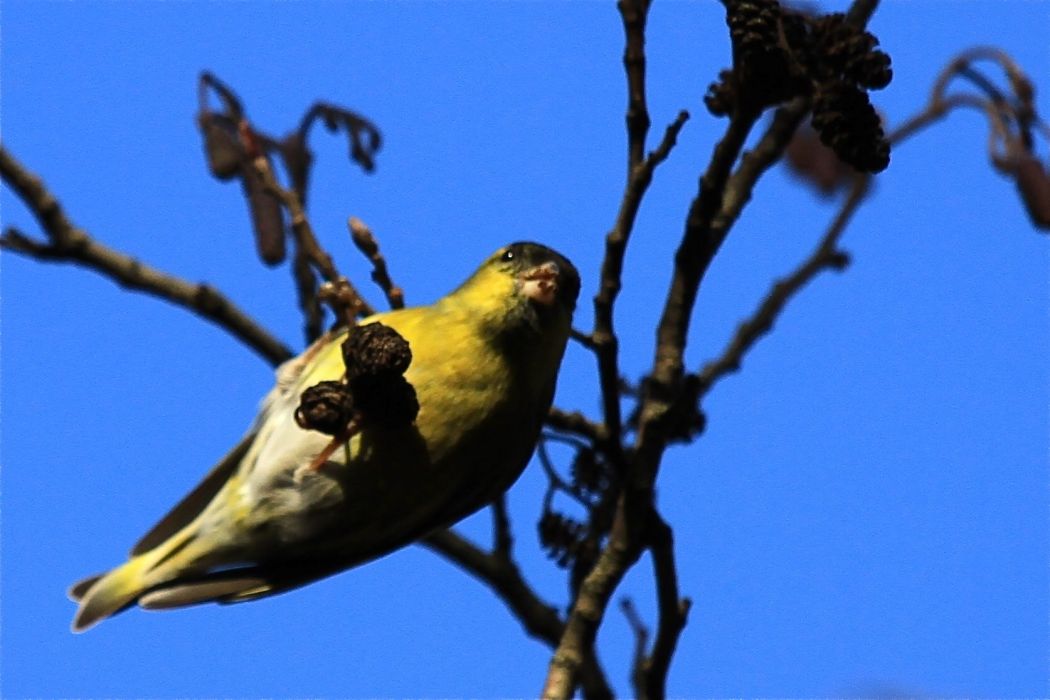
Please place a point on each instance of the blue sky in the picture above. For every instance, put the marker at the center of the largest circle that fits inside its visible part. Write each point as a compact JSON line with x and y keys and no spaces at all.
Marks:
{"x":867,"y":509}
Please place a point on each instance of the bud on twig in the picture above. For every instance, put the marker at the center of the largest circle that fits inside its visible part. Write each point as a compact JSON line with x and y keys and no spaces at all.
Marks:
{"x":221,"y":147}
{"x":266,"y":214}
{"x":1033,"y":183}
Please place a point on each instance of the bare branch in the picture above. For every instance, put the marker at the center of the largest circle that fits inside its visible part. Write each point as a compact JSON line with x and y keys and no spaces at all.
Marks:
{"x":641,"y":645}
{"x":306,"y":291}
{"x":503,"y":540}
{"x":346,"y":301}
{"x":756,"y":162}
{"x":576,"y":423}
{"x":366,"y":242}
{"x":584,"y":339}
{"x":71,"y":244}
{"x":673,"y":611}
{"x":860,"y":12}
{"x":826,"y":256}
{"x":634,"y":14}
{"x":700,"y":243}
{"x":539,"y":618}
{"x":603,"y":340}
{"x":586,"y":616}
{"x":708,"y":222}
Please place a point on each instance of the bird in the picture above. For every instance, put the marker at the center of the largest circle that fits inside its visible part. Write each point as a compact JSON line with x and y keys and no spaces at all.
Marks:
{"x":283,"y":509}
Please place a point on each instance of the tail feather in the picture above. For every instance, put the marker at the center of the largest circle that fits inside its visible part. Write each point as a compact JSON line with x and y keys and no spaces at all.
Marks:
{"x":110,"y":594}
{"x":205,"y":591}
{"x":78,"y":589}
{"x":106,"y":595}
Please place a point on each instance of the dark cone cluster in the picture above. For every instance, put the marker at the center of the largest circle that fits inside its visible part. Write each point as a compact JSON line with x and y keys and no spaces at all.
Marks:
{"x":753,"y":28}
{"x":326,"y":407}
{"x":764,"y":73}
{"x":561,"y":537}
{"x":779,"y":55}
{"x":721,"y":95}
{"x":589,"y":473}
{"x":844,"y":63}
{"x":375,"y":350}
{"x":388,"y":401}
{"x":849,"y":125}
{"x":832,"y":50}
{"x":375,"y":391}
{"x":376,"y":358}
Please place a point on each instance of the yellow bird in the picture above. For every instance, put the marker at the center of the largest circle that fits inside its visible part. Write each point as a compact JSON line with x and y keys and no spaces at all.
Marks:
{"x":268,"y":519}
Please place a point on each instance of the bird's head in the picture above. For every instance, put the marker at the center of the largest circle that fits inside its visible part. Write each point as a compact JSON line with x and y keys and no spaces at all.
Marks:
{"x":523,"y":289}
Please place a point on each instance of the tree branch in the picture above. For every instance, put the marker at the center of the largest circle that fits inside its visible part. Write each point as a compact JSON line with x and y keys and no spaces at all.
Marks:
{"x":770,"y":147}
{"x":577,"y":641}
{"x":826,"y":256}
{"x":700,"y":243}
{"x":341,"y":294}
{"x":74,"y":245}
{"x":539,"y":618}
{"x":673,"y":611}
{"x":634,"y":14}
{"x":603,"y":339}
{"x":576,"y":423}
{"x":711,"y":215}
{"x":503,"y":540}
{"x":641,"y":644}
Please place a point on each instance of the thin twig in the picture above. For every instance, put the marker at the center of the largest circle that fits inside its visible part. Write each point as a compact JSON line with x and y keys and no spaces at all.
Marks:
{"x":539,"y":618}
{"x":699,"y":245}
{"x":67,"y":243}
{"x":634,"y":14}
{"x":584,"y":339}
{"x":756,"y":162}
{"x":306,"y":291}
{"x":554,"y":481}
{"x":826,"y":256}
{"x":366,"y":242}
{"x":641,"y":644}
{"x":707,"y":225}
{"x":502,"y":539}
{"x":673,"y":610}
{"x":576,"y":423}
{"x":604,"y":340}
{"x":347,"y":299}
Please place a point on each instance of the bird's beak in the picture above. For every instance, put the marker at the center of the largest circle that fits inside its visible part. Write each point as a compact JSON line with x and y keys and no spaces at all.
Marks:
{"x":540,"y":283}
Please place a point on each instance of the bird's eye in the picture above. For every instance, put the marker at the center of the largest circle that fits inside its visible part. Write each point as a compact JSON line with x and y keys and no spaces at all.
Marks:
{"x":507,"y":256}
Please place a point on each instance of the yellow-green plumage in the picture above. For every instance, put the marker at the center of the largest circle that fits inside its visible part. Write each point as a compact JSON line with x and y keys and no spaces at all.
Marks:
{"x":484,"y":363}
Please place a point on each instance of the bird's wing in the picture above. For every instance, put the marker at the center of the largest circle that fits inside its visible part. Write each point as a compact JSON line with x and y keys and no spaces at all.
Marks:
{"x":195,"y":501}
{"x":262,"y":580}
{"x":288,"y":376}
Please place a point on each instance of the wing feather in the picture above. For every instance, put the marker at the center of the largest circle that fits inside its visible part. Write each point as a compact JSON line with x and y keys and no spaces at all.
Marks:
{"x":196,"y":500}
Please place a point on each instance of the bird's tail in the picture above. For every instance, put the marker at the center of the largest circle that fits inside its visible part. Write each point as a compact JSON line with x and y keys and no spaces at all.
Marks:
{"x":108,"y":594}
